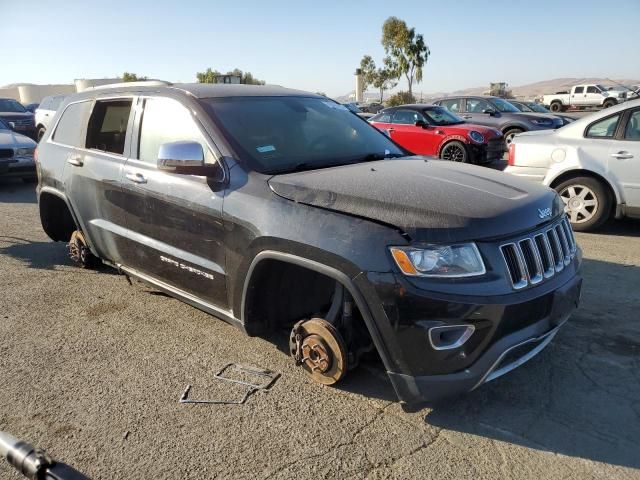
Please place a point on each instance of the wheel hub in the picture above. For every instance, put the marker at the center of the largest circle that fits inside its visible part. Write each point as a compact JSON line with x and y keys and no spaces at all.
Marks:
{"x":315,"y":354}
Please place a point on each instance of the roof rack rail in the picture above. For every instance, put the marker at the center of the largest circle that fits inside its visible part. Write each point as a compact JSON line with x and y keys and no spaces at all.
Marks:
{"x":143,"y":83}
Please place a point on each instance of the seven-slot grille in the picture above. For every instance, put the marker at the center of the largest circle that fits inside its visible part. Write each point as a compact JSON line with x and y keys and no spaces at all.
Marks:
{"x":533,"y":259}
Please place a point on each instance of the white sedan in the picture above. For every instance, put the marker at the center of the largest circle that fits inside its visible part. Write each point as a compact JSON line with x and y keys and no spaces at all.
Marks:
{"x":593,"y":163}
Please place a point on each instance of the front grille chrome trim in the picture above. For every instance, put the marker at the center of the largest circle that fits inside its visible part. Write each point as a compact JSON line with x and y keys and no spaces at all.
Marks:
{"x":539,"y":256}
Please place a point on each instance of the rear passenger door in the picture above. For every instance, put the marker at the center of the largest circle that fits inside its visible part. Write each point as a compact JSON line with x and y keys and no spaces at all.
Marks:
{"x":92,"y":173}
{"x":174,"y":220}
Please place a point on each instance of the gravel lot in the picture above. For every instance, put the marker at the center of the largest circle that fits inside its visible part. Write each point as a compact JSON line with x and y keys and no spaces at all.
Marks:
{"x":91,"y":370}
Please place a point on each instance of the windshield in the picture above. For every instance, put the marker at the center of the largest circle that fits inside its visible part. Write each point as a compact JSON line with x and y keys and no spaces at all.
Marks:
{"x":503,"y":105}
{"x":11,"y":105}
{"x":441,"y":116}
{"x":536,"y":107}
{"x":353,"y":107}
{"x":284,"y":134}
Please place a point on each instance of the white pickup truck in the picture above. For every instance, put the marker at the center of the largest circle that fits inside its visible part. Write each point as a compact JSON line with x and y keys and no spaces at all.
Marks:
{"x":582,"y":96}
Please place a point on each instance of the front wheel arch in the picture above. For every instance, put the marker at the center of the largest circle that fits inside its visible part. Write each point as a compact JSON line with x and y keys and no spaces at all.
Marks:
{"x":329,"y":271}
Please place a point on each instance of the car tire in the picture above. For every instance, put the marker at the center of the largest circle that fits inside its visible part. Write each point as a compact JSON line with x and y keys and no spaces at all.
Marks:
{"x":555,"y":106}
{"x":509,"y":134}
{"x":40,"y":134}
{"x":455,"y":152}
{"x":587,"y":202}
{"x":609,"y":103}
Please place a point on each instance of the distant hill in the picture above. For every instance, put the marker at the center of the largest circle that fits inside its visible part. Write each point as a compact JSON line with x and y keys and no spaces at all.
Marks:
{"x":530,"y":90}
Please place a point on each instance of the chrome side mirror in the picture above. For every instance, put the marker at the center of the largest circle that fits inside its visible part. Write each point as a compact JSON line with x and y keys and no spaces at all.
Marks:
{"x":176,"y":155}
{"x":12,"y":125}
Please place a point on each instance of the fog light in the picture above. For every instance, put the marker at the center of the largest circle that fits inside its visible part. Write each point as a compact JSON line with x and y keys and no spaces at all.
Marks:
{"x":448,"y":337}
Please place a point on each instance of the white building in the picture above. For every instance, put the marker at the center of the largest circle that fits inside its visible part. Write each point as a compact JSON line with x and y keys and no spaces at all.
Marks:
{"x":27,"y":93}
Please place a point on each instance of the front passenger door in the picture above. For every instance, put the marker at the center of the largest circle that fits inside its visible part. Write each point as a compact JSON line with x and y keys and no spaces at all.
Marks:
{"x":174,"y":220}
{"x":406,"y":133}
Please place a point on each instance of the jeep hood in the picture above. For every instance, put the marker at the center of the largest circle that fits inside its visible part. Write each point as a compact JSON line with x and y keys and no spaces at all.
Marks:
{"x":430,"y":200}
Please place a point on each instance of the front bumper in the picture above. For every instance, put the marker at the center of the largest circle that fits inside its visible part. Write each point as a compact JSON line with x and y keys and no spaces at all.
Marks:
{"x":23,"y":167}
{"x":534,"y":174}
{"x":489,"y":152}
{"x":502,"y":356}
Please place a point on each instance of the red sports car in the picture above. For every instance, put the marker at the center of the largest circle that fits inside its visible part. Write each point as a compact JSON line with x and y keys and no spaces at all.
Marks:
{"x":433,"y":130}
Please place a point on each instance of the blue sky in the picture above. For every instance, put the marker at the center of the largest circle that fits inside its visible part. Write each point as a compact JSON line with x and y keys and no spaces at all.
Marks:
{"x":316,"y":45}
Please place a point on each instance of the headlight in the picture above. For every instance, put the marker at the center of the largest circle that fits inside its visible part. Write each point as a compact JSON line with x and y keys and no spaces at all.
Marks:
{"x":476,"y":136}
{"x":25,"y":152}
{"x":543,"y":122}
{"x":446,"y":261}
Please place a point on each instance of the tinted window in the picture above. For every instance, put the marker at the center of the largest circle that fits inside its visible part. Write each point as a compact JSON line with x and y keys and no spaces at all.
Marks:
{"x":632,"y":132}
{"x":579,"y":90}
{"x":11,"y":105}
{"x":452,"y":105}
{"x":592,"y":90}
{"x":407,"y":117}
{"x":55,"y":102}
{"x":605,"y":128}
{"x":164,"y":121}
{"x":46,"y":101}
{"x":279,"y":134}
{"x":477,"y":105}
{"x":107,"y":129}
{"x":382,"y":118}
{"x":71,"y":124}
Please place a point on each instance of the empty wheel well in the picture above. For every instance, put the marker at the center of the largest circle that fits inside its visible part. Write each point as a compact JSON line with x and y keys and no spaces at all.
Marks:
{"x":585,"y":173}
{"x":57,"y":221}
{"x":280,"y":294}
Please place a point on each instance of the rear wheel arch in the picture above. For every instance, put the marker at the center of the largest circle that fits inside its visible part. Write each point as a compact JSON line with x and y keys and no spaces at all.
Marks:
{"x":57,"y":217}
{"x":564,"y":176}
{"x":265,"y":266}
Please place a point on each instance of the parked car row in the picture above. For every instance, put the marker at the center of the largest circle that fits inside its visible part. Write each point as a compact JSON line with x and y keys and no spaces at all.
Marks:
{"x":16,"y":154}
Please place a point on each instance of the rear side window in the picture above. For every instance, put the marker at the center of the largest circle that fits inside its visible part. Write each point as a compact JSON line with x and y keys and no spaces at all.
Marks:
{"x":107,"y":129}
{"x":605,"y":128}
{"x":55,"y":102}
{"x":452,"y":105}
{"x":407,"y":117}
{"x":163,"y":121}
{"x":382,"y":118}
{"x":71,"y":124}
{"x":46,"y":102}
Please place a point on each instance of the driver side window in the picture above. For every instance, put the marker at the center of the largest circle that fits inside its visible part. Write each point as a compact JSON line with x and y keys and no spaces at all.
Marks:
{"x":165,"y":120}
{"x":407,"y":117}
{"x":477,"y":105}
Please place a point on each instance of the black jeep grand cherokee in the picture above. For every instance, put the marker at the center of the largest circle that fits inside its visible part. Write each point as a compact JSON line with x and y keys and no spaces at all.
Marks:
{"x":277,"y":209}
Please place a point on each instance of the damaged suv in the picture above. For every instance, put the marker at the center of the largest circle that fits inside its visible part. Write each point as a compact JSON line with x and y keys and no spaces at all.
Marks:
{"x":279,"y":210}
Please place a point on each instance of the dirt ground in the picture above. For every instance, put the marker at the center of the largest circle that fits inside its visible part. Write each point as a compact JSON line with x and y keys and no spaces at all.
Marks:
{"x":91,"y":369}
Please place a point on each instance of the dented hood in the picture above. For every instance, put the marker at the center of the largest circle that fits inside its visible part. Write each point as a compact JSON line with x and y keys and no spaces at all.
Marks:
{"x":430,"y":200}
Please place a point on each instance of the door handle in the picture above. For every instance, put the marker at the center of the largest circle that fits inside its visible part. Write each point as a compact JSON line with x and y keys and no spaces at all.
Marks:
{"x":622,"y":155}
{"x":136,"y":177}
{"x":75,"y":160}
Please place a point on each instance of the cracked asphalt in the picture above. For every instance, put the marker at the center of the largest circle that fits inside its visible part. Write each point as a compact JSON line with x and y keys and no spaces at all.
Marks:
{"x":91,"y":370}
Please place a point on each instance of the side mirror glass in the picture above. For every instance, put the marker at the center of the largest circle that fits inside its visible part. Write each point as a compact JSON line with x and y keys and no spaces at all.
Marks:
{"x":175,"y":155}
{"x":421,"y":123}
{"x":489,"y":111}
